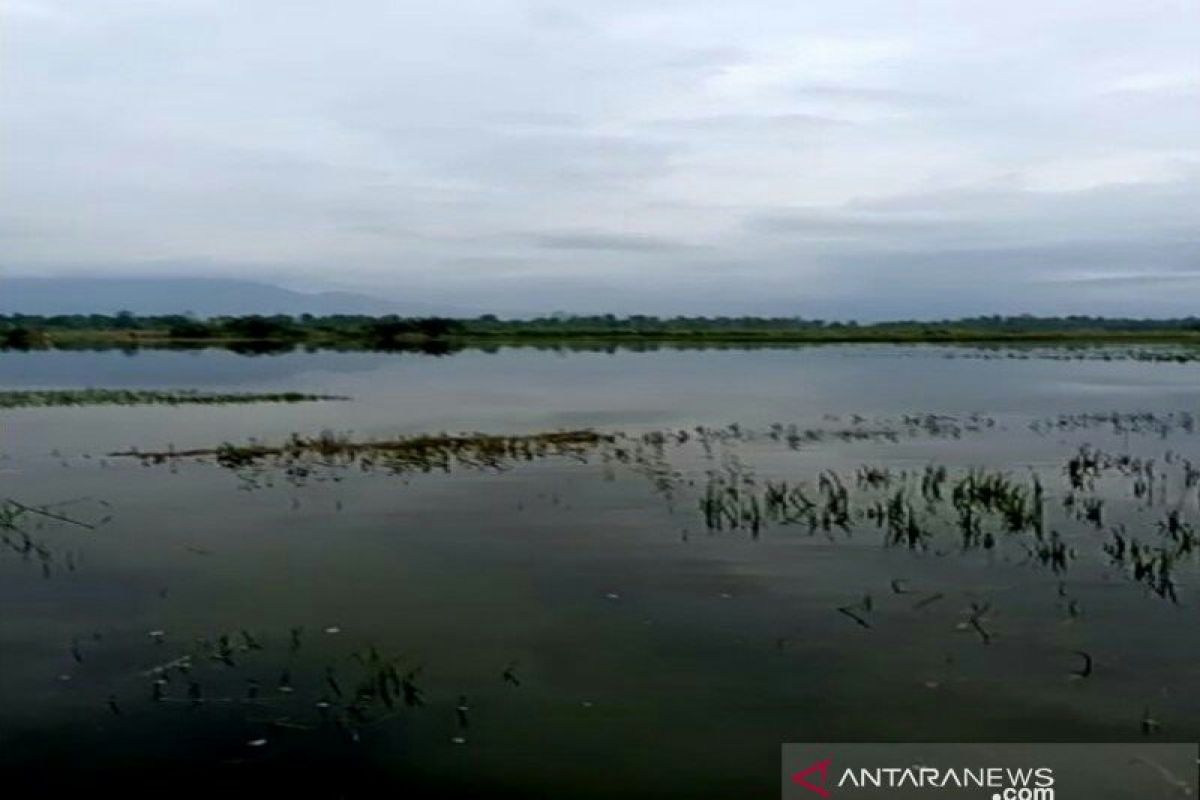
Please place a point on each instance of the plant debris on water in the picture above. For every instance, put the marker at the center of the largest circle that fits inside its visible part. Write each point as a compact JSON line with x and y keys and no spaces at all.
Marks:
{"x":44,"y":398}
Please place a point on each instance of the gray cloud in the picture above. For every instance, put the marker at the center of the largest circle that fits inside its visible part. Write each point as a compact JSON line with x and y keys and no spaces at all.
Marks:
{"x":869,"y":95}
{"x":841,"y":223}
{"x":635,"y":155}
{"x":623,"y":243}
{"x":706,"y":59}
{"x":1126,"y":281}
{"x":743,"y":124}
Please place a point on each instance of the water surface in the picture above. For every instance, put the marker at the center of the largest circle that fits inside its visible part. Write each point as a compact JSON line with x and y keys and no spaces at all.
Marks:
{"x":600,"y":636}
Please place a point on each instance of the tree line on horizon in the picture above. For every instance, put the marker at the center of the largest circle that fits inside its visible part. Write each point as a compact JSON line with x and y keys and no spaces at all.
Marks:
{"x":17,"y":330}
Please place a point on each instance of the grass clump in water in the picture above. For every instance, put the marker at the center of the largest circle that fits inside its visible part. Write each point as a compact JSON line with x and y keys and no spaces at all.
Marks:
{"x":48,"y":398}
{"x":425,"y":453}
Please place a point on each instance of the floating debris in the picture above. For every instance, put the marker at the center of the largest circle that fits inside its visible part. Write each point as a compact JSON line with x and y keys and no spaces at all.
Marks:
{"x":854,"y":614}
{"x":1085,"y":669}
{"x":1150,"y":725}
{"x":510,"y":675}
{"x":461,"y":710}
{"x":413,"y":696}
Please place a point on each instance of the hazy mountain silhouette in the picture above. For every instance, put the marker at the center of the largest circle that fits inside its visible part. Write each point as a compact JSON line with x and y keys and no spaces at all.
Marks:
{"x":201,"y":296}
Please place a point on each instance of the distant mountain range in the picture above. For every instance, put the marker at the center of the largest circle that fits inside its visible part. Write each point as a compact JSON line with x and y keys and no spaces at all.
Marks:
{"x":204,"y":297}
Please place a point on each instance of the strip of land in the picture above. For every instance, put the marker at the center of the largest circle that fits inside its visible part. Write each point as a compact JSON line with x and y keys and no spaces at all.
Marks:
{"x":391,"y":332}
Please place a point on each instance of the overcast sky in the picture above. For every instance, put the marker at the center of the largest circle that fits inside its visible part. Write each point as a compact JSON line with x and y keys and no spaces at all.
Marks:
{"x":853,"y":158}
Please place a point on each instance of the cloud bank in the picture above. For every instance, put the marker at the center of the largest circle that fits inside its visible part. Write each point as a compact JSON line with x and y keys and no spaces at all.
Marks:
{"x":857,"y":159}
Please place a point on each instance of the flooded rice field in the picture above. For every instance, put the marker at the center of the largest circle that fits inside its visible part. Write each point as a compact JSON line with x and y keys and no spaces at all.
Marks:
{"x":584,"y":574}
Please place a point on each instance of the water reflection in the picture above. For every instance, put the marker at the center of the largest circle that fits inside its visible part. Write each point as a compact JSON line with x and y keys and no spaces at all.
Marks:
{"x":764,"y":545}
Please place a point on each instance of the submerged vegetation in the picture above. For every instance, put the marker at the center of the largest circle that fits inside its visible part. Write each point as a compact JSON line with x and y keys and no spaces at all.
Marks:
{"x":935,"y":508}
{"x":22,"y":529}
{"x":1086,"y":515}
{"x":40,"y":398}
{"x":1127,"y":515}
{"x":379,"y":601}
{"x":303,"y":457}
{"x":417,"y":453}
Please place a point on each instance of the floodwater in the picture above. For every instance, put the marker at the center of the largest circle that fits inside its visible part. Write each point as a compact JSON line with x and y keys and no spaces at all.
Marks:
{"x":584,"y":625}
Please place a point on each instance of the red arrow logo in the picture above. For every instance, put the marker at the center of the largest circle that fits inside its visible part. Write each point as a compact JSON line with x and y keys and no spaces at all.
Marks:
{"x":801,"y":778}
